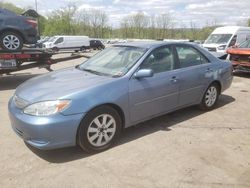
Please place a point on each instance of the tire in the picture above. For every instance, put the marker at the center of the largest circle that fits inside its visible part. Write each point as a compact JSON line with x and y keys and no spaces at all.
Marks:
{"x":82,"y":49}
{"x":92,"y":136}
{"x":55,"y":49}
{"x":11,"y":41}
{"x":210,"y":97}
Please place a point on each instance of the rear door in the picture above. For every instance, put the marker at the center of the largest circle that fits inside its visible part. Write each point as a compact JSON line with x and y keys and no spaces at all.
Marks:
{"x":195,"y":72}
{"x":159,"y":93}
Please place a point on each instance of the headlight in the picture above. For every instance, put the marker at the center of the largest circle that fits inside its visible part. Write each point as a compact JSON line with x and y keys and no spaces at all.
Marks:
{"x":223,"y":47}
{"x":46,"y":108}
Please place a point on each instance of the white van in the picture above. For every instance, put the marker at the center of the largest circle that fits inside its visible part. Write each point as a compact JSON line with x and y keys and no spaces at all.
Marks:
{"x":224,"y":37}
{"x":67,"y":43}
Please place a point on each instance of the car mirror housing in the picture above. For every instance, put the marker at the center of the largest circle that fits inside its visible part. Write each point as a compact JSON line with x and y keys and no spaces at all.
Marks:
{"x":144,"y":73}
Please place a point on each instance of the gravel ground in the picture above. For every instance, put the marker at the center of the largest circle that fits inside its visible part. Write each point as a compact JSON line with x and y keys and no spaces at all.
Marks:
{"x":188,"y":148}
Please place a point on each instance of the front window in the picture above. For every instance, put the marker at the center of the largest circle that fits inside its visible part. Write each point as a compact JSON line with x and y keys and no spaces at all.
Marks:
{"x":218,"y":39}
{"x":160,"y":60}
{"x":245,"y":44}
{"x":114,"y":61}
{"x":233,"y":41}
{"x":59,"y":40}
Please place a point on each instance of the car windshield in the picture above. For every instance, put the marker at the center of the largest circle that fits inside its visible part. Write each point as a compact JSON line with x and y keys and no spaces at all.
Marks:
{"x":52,"y":39}
{"x":114,"y":61}
{"x":218,"y":39}
{"x":245,"y":44}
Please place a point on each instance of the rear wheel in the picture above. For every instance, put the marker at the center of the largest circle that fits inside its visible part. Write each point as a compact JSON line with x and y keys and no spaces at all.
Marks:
{"x":82,"y":49}
{"x":99,"y":129}
{"x":11,"y":41}
{"x":210,"y":97}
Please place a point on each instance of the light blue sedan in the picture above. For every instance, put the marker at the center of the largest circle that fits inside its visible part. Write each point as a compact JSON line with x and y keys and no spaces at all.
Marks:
{"x":123,"y":85}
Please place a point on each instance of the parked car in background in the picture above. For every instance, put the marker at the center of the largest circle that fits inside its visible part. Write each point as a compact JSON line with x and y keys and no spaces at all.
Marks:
{"x":119,"y":87}
{"x":16,"y":30}
{"x":224,"y":37}
{"x":62,"y":42}
{"x":39,"y":43}
{"x":240,"y":56}
{"x":96,"y":44}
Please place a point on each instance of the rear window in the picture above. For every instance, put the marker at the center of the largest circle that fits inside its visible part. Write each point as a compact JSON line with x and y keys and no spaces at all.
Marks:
{"x":188,"y":56}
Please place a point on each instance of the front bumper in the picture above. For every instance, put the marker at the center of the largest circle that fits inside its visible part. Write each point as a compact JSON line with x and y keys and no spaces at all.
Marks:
{"x":241,"y":66}
{"x":50,"y":132}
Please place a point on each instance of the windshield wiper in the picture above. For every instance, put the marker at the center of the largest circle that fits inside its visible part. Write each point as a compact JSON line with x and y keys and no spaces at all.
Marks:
{"x":94,"y":72}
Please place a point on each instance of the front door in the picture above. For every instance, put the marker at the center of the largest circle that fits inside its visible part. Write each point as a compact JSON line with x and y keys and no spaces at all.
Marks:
{"x":159,"y":93}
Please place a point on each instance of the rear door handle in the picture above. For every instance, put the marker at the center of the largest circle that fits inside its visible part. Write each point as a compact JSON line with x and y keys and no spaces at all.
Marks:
{"x":174,"y":79}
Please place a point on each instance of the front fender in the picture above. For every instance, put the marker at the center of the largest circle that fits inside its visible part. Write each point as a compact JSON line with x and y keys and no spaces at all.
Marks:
{"x":115,"y":92}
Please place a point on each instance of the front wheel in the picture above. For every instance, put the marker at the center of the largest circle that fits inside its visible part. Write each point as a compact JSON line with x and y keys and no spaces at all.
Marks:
{"x":210,"y":97}
{"x":99,"y":129}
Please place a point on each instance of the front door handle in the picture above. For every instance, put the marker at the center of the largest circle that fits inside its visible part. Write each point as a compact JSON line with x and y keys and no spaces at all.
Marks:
{"x":174,"y":79}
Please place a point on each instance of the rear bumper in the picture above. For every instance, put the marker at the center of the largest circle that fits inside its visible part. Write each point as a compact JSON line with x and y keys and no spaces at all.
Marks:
{"x":50,"y":132}
{"x":30,"y":36}
{"x":226,"y":83}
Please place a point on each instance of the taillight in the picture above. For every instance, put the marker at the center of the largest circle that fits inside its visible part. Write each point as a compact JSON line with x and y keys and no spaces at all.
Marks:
{"x":33,"y":23}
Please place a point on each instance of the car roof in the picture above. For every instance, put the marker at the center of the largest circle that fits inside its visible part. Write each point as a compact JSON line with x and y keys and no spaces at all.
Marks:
{"x":6,"y":11}
{"x":149,"y":44}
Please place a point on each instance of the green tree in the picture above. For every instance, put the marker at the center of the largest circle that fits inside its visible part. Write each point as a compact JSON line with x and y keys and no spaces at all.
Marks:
{"x":60,"y":22}
{"x":11,"y":7}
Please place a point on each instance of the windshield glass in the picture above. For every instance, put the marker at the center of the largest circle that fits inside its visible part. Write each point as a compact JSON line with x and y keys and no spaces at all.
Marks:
{"x":245,"y":44}
{"x":218,"y":39}
{"x":114,"y":61}
{"x":52,"y":39}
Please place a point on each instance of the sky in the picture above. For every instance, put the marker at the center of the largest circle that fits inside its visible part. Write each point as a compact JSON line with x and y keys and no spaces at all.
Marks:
{"x":200,"y":12}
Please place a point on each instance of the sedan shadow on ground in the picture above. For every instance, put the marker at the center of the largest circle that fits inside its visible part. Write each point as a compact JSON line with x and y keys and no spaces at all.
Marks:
{"x":9,"y":82}
{"x":162,"y":123}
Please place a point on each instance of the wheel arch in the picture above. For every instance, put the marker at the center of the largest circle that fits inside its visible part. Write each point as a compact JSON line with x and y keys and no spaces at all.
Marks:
{"x":218,"y":83}
{"x":14,"y":31}
{"x":116,"y":107}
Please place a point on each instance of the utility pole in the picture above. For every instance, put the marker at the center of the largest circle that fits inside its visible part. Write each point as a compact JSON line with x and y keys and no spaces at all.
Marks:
{"x":38,"y":22}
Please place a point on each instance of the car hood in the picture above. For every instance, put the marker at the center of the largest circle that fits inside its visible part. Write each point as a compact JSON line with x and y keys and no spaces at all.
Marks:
{"x":47,"y":44}
{"x":213,"y":45}
{"x":59,"y":84}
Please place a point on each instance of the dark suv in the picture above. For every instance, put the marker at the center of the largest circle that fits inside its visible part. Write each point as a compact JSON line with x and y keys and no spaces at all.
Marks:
{"x":15,"y":30}
{"x":96,"y":44}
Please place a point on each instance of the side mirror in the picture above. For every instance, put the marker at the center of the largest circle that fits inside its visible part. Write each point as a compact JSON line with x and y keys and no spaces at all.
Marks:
{"x":143,"y":73}
{"x":235,"y":46}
